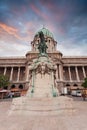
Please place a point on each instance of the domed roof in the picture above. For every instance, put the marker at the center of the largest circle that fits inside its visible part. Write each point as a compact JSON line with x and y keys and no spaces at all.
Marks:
{"x":46,"y":32}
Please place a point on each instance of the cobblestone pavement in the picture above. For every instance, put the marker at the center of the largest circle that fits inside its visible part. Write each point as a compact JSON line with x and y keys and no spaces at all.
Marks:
{"x":73,"y":121}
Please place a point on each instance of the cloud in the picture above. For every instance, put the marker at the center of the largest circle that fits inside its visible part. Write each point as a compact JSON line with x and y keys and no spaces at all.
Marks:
{"x":13,"y":49}
{"x":73,"y":50}
{"x":21,"y":19}
{"x":14,"y":32}
{"x":39,"y":12}
{"x":8,"y":29}
{"x":69,"y":48}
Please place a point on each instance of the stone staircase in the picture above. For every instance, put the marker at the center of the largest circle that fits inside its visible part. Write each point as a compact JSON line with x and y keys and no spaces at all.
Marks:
{"x":41,"y":106}
{"x":42,"y":98}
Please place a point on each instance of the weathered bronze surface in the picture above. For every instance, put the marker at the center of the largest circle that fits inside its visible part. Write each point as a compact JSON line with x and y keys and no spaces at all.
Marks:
{"x":42,"y":45}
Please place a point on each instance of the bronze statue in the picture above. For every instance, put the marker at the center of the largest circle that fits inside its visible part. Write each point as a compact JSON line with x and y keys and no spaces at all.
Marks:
{"x":42,"y":45}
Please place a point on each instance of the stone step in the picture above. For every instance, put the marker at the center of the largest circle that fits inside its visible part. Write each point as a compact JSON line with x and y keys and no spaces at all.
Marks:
{"x":42,"y":113}
{"x":42,"y":100}
{"x":46,"y":109}
{"x":39,"y":92}
{"x":44,"y":94}
{"x":41,"y":106}
{"x":42,"y":89}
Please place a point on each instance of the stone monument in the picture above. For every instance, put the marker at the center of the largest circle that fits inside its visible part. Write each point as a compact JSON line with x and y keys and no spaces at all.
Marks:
{"x":42,"y":45}
{"x":42,"y":72}
{"x":42,"y":97}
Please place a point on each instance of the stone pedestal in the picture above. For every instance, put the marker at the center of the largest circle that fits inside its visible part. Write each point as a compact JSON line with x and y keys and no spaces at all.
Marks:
{"x":42,"y":81}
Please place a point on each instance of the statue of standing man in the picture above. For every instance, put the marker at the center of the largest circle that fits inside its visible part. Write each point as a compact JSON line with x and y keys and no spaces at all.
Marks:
{"x":42,"y":45}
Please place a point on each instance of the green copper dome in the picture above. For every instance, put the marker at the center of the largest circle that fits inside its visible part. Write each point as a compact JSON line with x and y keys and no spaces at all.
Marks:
{"x":46,"y":32}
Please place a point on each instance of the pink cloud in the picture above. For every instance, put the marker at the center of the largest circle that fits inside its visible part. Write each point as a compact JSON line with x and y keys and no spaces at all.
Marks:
{"x":47,"y":4}
{"x":8,"y":31}
{"x":39,"y":12}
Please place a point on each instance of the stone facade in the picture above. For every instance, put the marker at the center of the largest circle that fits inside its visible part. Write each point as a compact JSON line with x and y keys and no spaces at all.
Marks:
{"x":70,"y":71}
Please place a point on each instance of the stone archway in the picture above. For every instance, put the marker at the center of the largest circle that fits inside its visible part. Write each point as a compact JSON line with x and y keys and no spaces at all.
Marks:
{"x":13,"y":86}
{"x":20,"y":86}
{"x":75,"y":85}
{"x":6,"y":87}
{"x":68,"y":88}
{"x":67,"y":84}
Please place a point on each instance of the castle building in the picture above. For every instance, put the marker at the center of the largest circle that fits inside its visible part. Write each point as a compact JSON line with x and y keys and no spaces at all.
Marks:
{"x":70,"y":71}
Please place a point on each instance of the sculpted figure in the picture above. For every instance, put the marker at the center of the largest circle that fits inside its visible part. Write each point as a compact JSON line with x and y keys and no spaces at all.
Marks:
{"x":42,"y":45}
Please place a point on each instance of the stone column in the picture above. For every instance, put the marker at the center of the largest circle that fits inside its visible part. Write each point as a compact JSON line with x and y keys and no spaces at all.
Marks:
{"x":27,"y":73}
{"x":77,"y":75}
{"x":5,"y":69}
{"x":69,"y":74}
{"x":57,"y":73}
{"x":61,"y":72}
{"x":52,"y":79}
{"x":18,"y":76}
{"x":33,"y":78}
{"x":83,"y":69}
{"x":11,"y":74}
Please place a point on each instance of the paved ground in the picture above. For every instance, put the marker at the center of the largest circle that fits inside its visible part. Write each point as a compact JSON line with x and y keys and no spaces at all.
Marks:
{"x":74,"y":121}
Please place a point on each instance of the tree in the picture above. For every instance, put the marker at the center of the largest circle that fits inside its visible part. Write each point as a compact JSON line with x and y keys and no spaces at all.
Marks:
{"x":84,"y":92}
{"x":84,"y":84}
{"x":4,"y":81}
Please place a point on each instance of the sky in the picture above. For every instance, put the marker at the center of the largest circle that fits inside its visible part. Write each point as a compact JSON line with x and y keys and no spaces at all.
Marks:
{"x":21,"y":19}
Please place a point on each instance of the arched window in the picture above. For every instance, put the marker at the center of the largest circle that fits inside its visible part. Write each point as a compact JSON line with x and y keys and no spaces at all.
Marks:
{"x":20,"y":86}
{"x":13,"y":86}
{"x":6,"y":87}
{"x":67,"y":84}
{"x":75,"y":85}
